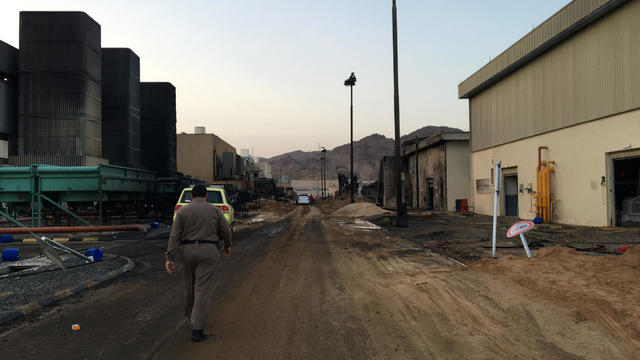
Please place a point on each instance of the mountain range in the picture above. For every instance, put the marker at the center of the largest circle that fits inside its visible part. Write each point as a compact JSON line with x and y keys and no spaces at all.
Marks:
{"x":367,"y":152}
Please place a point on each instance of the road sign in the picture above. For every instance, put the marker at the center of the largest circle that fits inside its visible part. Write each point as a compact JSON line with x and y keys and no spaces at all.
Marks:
{"x":519,"y":228}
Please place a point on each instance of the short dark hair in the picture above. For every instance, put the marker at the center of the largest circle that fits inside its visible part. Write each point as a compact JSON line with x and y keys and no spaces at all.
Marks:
{"x":198,"y":191}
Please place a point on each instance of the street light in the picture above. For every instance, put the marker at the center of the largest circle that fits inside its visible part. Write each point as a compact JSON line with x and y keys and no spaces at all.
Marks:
{"x":351,"y":82}
{"x":402,"y":220}
{"x":324,"y":168}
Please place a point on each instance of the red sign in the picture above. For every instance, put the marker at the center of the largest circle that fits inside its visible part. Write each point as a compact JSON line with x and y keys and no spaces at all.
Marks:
{"x":519,"y":228}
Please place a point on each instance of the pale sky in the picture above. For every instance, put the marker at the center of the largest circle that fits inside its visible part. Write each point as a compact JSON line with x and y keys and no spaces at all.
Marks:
{"x":269,"y":74}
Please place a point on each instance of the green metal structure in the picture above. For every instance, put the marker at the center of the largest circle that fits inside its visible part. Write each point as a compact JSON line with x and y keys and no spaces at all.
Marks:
{"x":38,"y":184}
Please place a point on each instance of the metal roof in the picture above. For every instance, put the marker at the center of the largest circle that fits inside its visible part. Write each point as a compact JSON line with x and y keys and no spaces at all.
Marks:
{"x":563,"y":24}
{"x":408,"y":147}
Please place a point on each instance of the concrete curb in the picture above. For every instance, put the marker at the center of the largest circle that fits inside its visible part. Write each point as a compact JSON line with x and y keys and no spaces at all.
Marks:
{"x":45,"y":301}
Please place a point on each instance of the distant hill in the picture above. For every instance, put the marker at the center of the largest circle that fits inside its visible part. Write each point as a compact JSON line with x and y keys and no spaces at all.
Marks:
{"x":368,"y":151}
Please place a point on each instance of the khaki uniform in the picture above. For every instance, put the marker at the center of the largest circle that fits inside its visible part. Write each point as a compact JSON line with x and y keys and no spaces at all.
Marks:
{"x":202,"y":222}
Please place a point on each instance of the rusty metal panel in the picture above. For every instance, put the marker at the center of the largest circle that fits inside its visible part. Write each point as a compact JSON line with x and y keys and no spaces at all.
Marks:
{"x":594,"y":74}
{"x":560,"y":22}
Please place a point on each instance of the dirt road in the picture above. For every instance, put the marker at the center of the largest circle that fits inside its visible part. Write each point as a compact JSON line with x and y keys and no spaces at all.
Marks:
{"x":326,"y":292}
{"x":309,"y":288}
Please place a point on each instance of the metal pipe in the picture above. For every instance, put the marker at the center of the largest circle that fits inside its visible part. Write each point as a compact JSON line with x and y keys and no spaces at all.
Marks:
{"x":351,"y":179}
{"x":417,"y":177}
{"x":401,"y":220}
{"x":496,"y":180}
{"x":72,"y":229}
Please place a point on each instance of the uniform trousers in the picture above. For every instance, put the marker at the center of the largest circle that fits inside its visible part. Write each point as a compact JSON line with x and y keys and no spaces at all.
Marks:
{"x":199,"y":266}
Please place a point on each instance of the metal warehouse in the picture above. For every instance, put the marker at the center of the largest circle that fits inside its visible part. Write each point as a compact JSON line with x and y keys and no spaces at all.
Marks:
{"x":563,"y":104}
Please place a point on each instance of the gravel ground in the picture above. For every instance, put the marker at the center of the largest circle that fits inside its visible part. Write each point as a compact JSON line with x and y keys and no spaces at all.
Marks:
{"x":35,"y":286}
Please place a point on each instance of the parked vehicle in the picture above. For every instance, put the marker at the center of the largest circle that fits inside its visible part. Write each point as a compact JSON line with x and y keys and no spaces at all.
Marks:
{"x":215,"y":196}
{"x":303,"y":200}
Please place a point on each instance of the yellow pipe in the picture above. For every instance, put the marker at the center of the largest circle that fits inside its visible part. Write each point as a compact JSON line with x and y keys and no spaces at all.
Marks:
{"x":548,"y":191}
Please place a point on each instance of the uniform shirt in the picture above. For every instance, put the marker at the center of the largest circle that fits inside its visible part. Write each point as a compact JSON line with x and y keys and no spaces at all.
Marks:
{"x":199,"y":221}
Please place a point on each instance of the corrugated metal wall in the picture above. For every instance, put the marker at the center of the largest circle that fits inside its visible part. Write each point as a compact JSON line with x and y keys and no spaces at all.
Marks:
{"x":60,"y":89}
{"x":9,"y":96}
{"x":121,"y":107}
{"x":569,"y":15}
{"x":158,"y":127}
{"x":195,"y":155}
{"x":594,"y":74}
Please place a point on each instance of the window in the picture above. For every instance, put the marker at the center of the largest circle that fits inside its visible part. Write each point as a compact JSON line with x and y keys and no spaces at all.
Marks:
{"x":213,"y":196}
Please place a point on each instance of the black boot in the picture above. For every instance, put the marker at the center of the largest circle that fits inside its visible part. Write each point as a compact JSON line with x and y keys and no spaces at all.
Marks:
{"x":198,"y":335}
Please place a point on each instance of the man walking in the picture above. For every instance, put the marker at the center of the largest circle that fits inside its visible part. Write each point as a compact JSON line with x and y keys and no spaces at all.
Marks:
{"x":197,"y":232}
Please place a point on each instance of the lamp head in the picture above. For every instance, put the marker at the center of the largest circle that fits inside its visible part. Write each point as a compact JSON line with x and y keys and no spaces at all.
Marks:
{"x":351,"y":81}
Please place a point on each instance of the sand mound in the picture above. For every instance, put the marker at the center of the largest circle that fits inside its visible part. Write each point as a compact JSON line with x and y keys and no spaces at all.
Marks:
{"x":358,"y":210}
{"x":593,"y":284}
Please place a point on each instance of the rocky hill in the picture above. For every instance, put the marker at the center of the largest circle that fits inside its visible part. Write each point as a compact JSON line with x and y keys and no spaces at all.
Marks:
{"x":368,"y":151}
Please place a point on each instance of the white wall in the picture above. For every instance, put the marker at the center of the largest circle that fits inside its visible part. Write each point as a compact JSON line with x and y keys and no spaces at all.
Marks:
{"x":457,"y":153}
{"x":580,"y":155}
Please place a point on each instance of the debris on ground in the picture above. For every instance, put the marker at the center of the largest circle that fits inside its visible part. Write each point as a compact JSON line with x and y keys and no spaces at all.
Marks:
{"x":359,"y":210}
{"x":360,"y":224}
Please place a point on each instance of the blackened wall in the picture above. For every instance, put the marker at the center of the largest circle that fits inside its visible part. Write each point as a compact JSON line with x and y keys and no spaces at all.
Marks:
{"x":60,"y":91}
{"x":158,"y":127}
{"x":8,"y":99}
{"x":121,"y":107}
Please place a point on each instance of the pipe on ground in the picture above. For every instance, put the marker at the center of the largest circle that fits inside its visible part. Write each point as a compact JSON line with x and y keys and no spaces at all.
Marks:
{"x":72,"y":229}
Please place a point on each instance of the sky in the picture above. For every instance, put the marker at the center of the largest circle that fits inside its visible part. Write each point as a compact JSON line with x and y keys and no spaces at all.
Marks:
{"x":268,"y":75}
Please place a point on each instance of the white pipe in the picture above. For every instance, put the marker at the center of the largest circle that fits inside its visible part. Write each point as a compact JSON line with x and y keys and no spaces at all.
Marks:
{"x":526,"y":247}
{"x":497,"y":175}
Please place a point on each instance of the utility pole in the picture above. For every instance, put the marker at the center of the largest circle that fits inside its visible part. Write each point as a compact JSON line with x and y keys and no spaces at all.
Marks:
{"x":324,"y":169}
{"x":417,"y":177}
{"x":401,"y":220}
{"x":351,"y":82}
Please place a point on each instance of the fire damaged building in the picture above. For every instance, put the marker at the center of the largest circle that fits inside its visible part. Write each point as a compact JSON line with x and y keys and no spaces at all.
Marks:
{"x":438,"y":180}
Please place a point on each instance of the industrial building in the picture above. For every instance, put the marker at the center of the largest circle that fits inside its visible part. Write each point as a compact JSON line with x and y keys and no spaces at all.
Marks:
{"x":442,"y":170}
{"x":442,"y":173}
{"x":121,"y":107}
{"x":60,"y":89}
{"x":158,"y":127}
{"x":206,"y":156}
{"x":8,"y":101}
{"x":563,"y":104}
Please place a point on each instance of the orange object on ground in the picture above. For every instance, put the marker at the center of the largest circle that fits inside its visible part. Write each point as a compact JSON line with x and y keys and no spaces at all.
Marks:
{"x":75,"y":327}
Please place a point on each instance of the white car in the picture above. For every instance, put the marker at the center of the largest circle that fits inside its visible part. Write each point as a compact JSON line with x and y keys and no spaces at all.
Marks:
{"x":303,"y":200}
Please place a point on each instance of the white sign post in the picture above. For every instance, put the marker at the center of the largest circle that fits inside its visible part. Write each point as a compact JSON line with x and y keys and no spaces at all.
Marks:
{"x":497,"y":174}
{"x":520,"y":228}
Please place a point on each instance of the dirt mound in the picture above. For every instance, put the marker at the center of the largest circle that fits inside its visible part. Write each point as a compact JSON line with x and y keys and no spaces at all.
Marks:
{"x":359,"y":210}
{"x":604,"y":284}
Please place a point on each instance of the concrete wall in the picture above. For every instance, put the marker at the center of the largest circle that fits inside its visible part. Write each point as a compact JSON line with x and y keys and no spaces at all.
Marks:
{"x":195,"y":155}
{"x":457,"y":158}
{"x":580,"y":153}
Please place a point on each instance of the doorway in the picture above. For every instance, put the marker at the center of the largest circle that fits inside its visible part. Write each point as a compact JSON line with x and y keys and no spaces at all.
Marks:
{"x":626,"y":191}
{"x":511,"y":195}
{"x":430,"y":200}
